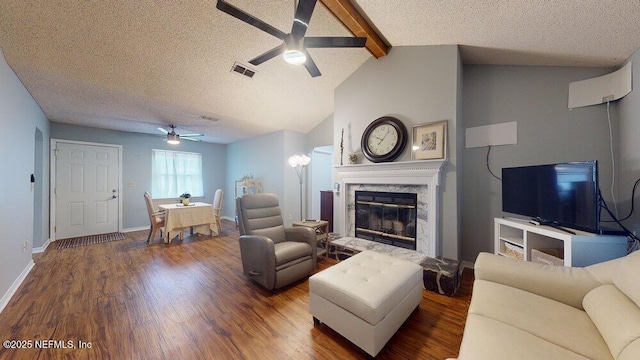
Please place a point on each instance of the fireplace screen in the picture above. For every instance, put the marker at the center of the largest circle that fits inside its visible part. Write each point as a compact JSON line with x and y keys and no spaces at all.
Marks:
{"x":388,"y":218}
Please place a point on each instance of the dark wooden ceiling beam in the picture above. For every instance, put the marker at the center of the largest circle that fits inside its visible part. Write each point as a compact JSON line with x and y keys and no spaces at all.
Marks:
{"x":344,"y":11}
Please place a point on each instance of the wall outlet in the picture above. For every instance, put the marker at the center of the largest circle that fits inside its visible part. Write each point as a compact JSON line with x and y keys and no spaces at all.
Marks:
{"x":131,"y":184}
{"x":290,"y":217}
{"x":24,"y":246}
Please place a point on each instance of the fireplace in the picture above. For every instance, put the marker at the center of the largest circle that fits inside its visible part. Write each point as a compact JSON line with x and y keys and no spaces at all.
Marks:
{"x":415,"y":177}
{"x":387,"y":217}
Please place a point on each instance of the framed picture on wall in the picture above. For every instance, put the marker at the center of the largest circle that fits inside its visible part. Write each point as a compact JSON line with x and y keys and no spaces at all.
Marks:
{"x":429,"y":141}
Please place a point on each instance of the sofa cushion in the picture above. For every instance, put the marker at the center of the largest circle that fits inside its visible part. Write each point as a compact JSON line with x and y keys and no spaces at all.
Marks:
{"x":625,"y":277}
{"x":547,"y":319}
{"x":561,"y":283}
{"x":489,"y":339}
{"x":616,"y":316}
{"x":631,"y":352}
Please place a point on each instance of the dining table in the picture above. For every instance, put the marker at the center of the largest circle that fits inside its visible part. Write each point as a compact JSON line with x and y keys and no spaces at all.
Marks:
{"x":197,"y":216}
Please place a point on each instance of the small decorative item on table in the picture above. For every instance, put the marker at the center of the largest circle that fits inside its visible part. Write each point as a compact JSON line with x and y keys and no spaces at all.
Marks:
{"x":185,"y":198}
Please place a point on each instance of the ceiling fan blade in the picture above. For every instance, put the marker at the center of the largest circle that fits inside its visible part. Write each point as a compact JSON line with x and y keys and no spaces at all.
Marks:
{"x":268,"y":55}
{"x":239,"y":14}
{"x":334,"y":42}
{"x":190,"y":139}
{"x":184,"y":135}
{"x":163,"y":130}
{"x":311,"y":66}
{"x":302,"y":17}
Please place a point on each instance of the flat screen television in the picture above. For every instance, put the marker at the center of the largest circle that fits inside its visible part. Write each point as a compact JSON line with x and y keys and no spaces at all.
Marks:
{"x":563,"y":194}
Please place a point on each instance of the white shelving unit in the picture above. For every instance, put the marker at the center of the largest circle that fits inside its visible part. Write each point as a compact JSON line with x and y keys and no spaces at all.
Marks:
{"x":581,"y":249}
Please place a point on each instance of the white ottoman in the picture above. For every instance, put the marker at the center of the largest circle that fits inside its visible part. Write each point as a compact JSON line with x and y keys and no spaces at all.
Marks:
{"x":366,"y":298}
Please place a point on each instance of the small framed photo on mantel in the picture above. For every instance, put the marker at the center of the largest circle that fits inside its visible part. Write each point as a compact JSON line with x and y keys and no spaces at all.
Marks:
{"x":429,"y":141}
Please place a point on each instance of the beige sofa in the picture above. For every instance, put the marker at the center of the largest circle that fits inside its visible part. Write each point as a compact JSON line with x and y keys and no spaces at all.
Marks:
{"x":523,"y":310}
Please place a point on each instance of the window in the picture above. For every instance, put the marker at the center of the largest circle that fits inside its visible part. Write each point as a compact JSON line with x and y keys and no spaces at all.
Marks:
{"x":176,"y":172}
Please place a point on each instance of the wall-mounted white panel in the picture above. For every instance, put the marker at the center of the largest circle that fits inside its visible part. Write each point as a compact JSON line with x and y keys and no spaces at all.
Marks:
{"x":492,"y":135}
{"x":600,"y":89}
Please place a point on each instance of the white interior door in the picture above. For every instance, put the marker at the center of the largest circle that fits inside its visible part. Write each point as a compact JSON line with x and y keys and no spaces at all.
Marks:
{"x":86,"y":188}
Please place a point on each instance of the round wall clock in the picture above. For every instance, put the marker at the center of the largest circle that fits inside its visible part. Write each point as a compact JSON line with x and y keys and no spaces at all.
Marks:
{"x":384,"y":139}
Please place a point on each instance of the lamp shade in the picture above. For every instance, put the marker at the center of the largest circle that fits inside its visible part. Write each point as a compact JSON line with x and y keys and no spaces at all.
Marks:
{"x":304,"y":160}
{"x":294,"y":160}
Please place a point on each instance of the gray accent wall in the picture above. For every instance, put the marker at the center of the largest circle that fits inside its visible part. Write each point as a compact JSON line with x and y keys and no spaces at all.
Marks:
{"x":548,"y":132}
{"x":136,"y":165}
{"x":416,"y":84}
{"x":20,"y":119}
{"x":629,"y":160}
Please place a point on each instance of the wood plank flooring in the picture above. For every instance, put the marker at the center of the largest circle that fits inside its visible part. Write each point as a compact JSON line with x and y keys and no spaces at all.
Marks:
{"x":190,"y":300}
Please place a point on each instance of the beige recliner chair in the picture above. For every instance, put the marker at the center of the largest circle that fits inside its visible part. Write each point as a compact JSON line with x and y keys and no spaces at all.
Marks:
{"x":272,"y":255}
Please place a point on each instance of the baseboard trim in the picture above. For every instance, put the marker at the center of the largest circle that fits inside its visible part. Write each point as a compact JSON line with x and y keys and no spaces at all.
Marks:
{"x":467,"y":264}
{"x":16,"y":284}
{"x":41,"y":248}
{"x":227,"y":218}
{"x":139,"y":228}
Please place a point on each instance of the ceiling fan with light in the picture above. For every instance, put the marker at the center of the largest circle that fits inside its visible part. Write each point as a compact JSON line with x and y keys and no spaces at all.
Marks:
{"x":174,"y":139}
{"x":295,"y":44}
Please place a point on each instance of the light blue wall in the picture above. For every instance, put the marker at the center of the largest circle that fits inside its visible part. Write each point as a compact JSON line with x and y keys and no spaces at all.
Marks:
{"x":321,"y":135}
{"x":136,"y":165}
{"x":261,"y":156}
{"x":548,"y":132}
{"x":20,"y":116}
{"x":629,"y":133}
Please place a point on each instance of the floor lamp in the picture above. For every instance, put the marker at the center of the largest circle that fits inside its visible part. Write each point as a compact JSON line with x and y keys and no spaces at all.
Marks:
{"x":298,"y":162}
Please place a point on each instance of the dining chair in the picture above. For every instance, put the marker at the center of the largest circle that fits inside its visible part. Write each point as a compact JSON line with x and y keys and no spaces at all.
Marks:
{"x":217,"y":208}
{"x":155,"y":217}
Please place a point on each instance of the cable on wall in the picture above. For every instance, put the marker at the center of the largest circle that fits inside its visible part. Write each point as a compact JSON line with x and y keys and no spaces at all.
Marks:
{"x":613,"y":163}
{"x":633,"y":198}
{"x":489,"y":167}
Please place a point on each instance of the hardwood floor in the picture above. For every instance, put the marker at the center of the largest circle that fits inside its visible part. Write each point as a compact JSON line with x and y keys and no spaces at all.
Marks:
{"x":190,"y":300}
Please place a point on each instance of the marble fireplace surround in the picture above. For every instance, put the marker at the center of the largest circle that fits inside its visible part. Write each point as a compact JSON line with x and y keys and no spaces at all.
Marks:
{"x":421,"y":177}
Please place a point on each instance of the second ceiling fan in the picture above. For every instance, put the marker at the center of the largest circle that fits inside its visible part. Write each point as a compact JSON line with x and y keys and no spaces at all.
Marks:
{"x":295,"y":44}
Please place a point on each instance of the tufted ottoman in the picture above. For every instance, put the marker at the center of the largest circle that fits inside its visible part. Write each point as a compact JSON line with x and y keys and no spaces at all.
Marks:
{"x":366,"y":298}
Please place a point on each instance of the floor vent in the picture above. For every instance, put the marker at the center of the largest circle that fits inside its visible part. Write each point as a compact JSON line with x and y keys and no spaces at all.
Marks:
{"x":243,"y":70}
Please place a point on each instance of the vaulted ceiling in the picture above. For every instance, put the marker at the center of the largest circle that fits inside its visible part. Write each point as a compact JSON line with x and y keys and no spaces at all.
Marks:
{"x":135,"y":65}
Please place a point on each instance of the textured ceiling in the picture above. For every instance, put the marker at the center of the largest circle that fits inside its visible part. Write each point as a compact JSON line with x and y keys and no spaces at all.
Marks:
{"x":134,"y":65}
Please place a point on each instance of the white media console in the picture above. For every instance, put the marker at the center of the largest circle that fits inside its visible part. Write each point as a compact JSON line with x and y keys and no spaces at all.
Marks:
{"x":519,"y":237}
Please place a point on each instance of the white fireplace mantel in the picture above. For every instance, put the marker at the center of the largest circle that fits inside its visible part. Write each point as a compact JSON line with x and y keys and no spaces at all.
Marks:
{"x":418,"y":173}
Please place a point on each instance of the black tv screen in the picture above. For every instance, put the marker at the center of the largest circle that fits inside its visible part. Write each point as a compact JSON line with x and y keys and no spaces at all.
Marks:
{"x":562,"y":194}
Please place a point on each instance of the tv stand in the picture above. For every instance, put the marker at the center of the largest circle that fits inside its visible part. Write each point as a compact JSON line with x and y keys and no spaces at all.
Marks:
{"x":516,"y":238}
{"x":538,"y":222}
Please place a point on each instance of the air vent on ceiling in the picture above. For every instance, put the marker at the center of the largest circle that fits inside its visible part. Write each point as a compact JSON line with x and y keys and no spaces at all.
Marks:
{"x":243,"y":70}
{"x":208,"y":118}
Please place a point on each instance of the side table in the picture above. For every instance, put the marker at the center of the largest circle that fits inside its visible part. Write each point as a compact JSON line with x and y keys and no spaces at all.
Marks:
{"x":321,"y":227}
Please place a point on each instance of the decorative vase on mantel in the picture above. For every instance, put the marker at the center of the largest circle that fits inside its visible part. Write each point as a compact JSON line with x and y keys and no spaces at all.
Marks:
{"x":185,"y":201}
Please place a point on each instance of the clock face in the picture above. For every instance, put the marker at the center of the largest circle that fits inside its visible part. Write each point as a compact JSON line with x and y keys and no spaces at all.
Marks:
{"x":384,"y":139}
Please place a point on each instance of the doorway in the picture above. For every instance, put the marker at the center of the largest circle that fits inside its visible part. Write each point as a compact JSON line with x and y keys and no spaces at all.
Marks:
{"x":321,"y":176}
{"x":36,"y":187}
{"x":86,"y":184}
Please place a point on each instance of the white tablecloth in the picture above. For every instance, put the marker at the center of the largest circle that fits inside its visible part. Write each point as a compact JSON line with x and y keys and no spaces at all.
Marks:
{"x":197,"y":215}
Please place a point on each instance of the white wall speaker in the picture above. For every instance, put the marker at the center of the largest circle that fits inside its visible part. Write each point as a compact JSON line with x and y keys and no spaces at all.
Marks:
{"x":600,"y":89}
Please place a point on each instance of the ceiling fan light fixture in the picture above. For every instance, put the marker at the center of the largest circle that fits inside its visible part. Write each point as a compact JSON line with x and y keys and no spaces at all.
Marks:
{"x":294,"y":57}
{"x":173,"y":138}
